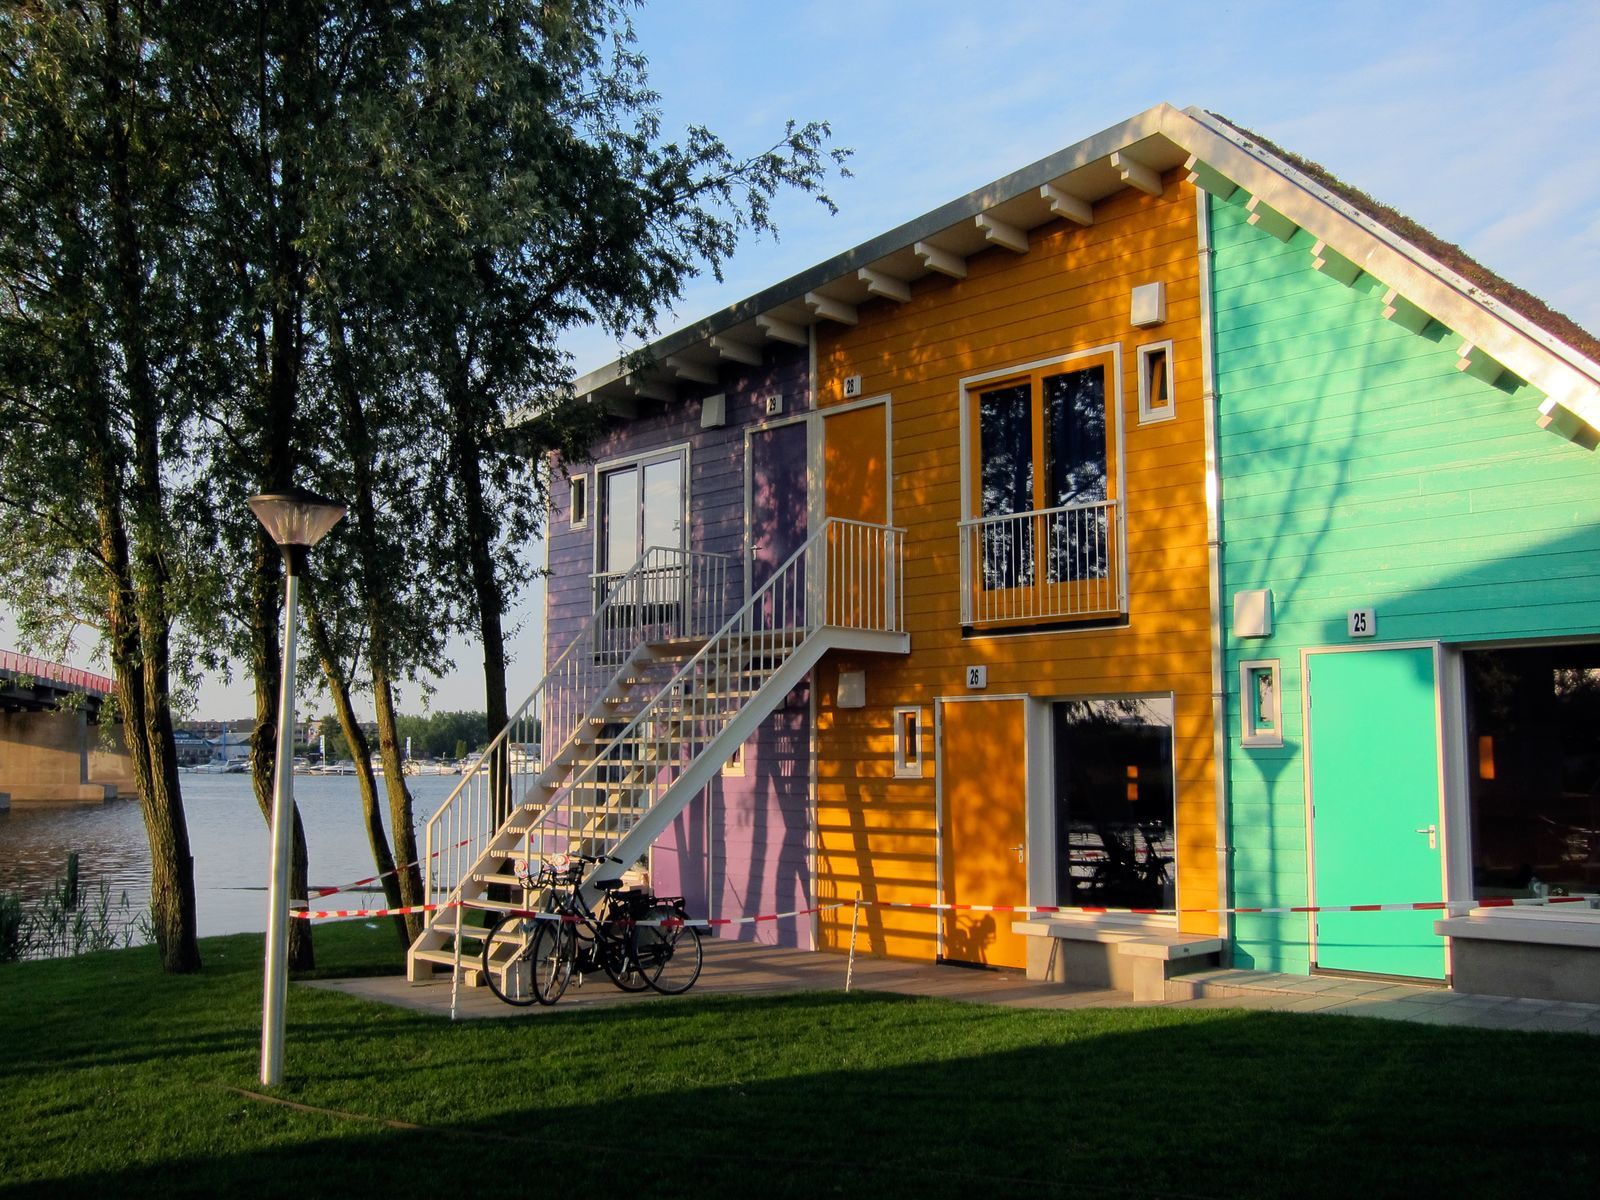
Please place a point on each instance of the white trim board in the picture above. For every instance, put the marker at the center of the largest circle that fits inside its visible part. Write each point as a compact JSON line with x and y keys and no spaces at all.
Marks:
{"x":1219,"y":158}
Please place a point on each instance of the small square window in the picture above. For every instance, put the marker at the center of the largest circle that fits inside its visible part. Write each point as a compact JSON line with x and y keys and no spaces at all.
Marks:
{"x":1260,"y":703}
{"x":578,"y":505}
{"x":908,"y":742}
{"x":1155,"y":383}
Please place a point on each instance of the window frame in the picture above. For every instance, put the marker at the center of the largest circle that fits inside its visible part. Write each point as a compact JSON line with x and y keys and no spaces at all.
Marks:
{"x":971,"y":390}
{"x":1252,"y":734}
{"x":1149,"y":414}
{"x":908,"y":756}
{"x":1048,"y":808}
{"x":578,"y":487}
{"x":600,"y":509}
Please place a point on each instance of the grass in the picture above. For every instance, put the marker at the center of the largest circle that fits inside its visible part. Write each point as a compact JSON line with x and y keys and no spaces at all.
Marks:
{"x":118,"y":1081}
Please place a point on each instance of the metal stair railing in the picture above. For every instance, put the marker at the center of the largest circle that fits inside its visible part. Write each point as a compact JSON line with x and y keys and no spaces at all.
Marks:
{"x":847,"y":576}
{"x":668,"y":594}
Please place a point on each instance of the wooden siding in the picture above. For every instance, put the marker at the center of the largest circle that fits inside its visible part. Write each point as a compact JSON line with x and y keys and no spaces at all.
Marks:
{"x":878,"y":834}
{"x":742,"y":846}
{"x":1360,"y":468}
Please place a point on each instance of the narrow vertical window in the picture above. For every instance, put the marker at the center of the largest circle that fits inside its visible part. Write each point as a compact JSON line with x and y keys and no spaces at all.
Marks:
{"x":1155,"y":383}
{"x":735,"y":764}
{"x":578,"y":504}
{"x":1260,"y":704}
{"x":908,"y":742}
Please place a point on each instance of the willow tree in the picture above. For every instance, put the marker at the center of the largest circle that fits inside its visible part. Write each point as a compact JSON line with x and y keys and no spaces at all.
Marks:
{"x":546,"y":197}
{"x":98,"y":366}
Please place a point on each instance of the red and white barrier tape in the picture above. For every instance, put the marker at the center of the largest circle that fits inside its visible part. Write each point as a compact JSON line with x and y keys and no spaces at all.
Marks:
{"x":350,"y":887}
{"x":340,"y":914}
{"x":799,"y":912}
{"x":1014,"y":909}
{"x":344,"y":914}
{"x":1098,"y":910}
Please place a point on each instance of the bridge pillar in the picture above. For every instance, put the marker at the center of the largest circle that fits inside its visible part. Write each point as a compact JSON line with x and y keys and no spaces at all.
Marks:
{"x":45,"y":756}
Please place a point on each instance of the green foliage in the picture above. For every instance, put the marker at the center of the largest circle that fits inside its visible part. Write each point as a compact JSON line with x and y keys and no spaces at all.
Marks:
{"x":11,"y":919}
{"x":332,"y":737}
{"x":249,"y":246}
{"x":438,"y":735}
{"x":61,"y":925}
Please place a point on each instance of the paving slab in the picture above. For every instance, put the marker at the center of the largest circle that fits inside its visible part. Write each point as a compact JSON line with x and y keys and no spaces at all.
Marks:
{"x":747,"y":969}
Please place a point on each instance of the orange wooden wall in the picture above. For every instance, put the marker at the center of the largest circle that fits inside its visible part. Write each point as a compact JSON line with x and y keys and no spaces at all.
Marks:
{"x":1071,"y":291}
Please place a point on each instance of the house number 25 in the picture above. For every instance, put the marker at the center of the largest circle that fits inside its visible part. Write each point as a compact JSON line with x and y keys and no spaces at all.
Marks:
{"x":1363,"y":622}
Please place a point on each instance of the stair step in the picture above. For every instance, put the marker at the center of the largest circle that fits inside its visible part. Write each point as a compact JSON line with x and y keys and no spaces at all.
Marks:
{"x":485,"y":905}
{"x":488,"y":877}
{"x":471,"y":966}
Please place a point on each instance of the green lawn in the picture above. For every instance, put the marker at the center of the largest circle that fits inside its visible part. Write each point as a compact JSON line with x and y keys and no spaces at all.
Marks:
{"x":116,"y":1082}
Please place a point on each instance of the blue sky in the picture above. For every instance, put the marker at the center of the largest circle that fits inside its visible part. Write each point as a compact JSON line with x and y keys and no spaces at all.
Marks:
{"x":1476,"y":119}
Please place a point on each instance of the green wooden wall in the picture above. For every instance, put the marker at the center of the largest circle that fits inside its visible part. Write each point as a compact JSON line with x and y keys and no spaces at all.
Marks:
{"x":1360,"y":468}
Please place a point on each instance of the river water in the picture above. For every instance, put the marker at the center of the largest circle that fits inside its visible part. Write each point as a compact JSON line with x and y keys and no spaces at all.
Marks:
{"x":228,"y":837}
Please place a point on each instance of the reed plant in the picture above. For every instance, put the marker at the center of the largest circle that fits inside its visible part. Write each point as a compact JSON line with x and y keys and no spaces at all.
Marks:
{"x":66,"y":921}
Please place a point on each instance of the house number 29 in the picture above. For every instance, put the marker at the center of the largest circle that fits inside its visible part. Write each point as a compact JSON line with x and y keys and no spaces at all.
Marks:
{"x":1363,"y":622}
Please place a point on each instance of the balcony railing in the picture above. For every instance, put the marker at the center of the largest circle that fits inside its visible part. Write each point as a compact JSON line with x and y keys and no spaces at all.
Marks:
{"x":668,"y":594}
{"x":1057,"y":564}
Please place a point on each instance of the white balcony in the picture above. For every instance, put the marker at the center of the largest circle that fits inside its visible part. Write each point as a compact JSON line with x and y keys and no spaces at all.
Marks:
{"x":1056,"y":564}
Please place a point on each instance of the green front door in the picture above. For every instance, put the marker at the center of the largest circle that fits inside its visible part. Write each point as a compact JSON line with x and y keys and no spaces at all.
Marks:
{"x":1374,"y":746}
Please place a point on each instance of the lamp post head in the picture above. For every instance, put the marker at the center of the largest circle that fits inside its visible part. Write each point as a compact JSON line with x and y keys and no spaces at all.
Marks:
{"x":296,"y":517}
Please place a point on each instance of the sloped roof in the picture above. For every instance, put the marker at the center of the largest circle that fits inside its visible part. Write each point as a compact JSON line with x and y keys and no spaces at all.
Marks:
{"x":1430,"y":243}
{"x":1503,"y":328}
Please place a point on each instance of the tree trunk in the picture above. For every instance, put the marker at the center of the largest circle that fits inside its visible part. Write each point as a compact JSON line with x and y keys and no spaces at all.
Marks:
{"x":373,"y":586}
{"x":285,"y":219}
{"x":489,"y":602}
{"x":267,"y":667}
{"x":361,"y":751}
{"x":171,"y":865}
{"x":172,"y":899}
{"x":394,"y":782}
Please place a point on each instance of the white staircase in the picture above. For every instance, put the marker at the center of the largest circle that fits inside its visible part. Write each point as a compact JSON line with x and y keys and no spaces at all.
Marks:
{"x":643,"y":708}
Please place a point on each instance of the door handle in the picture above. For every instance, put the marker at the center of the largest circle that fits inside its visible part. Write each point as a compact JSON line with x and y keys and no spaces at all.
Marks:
{"x":1019,"y":848}
{"x":1433,"y":835}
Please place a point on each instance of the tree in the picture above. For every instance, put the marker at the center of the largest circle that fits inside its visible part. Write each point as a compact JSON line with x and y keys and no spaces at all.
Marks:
{"x":549,"y":199}
{"x":334,"y":243}
{"x":96,"y":343}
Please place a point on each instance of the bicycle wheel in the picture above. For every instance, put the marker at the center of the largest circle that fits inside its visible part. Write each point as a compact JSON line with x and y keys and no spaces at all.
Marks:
{"x":668,"y":955}
{"x":616,"y":956}
{"x":508,"y":961}
{"x":553,"y":951}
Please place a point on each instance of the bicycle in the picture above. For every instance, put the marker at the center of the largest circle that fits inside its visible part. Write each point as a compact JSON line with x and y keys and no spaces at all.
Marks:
{"x":637,"y":939}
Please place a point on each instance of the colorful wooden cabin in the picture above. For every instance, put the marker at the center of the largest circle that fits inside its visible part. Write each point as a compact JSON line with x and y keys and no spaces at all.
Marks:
{"x":985,"y":564}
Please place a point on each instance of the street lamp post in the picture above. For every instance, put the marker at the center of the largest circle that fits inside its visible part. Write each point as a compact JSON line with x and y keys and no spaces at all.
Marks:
{"x":296,"y":520}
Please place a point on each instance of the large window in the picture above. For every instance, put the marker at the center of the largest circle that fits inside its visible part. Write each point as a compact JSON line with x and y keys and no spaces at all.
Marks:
{"x":1040,"y":537}
{"x":641,"y":506}
{"x":1114,"y":802}
{"x":1533,"y":724}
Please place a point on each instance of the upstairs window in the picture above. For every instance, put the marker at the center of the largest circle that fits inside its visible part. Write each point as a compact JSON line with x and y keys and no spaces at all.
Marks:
{"x":578,"y":501}
{"x":642,"y":505}
{"x":1041,"y":535}
{"x":1155,"y":384}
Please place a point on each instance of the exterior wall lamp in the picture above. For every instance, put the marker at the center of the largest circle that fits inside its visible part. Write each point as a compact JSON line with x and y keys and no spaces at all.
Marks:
{"x":296,"y":520}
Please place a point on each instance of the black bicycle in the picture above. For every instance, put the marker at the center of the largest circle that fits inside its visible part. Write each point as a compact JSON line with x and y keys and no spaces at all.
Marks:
{"x":639,"y":940}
